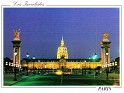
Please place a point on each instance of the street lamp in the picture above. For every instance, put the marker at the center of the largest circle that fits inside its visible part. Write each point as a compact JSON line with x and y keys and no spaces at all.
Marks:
{"x":94,"y":58}
{"x":82,"y":69}
{"x":27,"y":63}
{"x":15,"y":67}
{"x":107,"y":63}
{"x":85,"y":66}
{"x":53,"y":67}
{"x":71,"y":67}
{"x":89,"y":59}
{"x":78,"y":68}
{"x":33,"y":63}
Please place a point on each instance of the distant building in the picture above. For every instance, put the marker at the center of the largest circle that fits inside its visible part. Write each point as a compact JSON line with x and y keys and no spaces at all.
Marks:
{"x":62,"y":61}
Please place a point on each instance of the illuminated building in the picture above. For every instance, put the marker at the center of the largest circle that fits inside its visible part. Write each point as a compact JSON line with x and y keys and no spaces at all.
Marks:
{"x":62,"y":50}
{"x":62,"y":61}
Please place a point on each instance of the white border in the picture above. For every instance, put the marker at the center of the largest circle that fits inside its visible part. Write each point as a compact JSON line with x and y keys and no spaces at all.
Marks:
{"x":70,"y":6}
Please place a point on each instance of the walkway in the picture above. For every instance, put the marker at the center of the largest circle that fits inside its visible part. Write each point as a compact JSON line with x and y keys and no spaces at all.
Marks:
{"x":86,"y":79}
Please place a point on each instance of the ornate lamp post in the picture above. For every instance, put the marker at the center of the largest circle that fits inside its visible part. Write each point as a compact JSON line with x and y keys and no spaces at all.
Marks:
{"x":107,"y":70}
{"x":15,"y":67}
{"x":27,"y":63}
{"x":33,"y":63}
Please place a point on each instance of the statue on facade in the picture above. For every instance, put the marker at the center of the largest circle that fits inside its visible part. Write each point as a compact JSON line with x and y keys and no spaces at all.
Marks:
{"x":105,"y":36}
{"x":16,"y":35}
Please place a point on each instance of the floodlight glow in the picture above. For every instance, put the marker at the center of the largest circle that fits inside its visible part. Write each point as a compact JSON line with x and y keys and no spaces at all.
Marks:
{"x":59,"y":72}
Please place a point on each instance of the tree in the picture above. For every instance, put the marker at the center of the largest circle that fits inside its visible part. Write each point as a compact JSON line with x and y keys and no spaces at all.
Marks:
{"x":118,"y":61}
{"x":117,"y":67}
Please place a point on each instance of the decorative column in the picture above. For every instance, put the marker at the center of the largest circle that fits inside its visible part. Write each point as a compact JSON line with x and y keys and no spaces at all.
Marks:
{"x":105,"y":49}
{"x":16,"y":49}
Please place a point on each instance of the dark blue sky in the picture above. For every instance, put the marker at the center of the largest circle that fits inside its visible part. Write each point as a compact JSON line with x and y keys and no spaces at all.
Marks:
{"x":42,"y":30}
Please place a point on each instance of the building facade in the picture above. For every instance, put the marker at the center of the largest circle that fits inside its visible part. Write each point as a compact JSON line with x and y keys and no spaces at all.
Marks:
{"x":62,"y":61}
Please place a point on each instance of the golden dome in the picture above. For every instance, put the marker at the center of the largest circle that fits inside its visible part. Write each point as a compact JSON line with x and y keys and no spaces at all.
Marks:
{"x":62,"y":50}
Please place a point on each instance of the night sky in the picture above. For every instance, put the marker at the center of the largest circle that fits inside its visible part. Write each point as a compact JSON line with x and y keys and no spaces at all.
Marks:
{"x":42,"y":30}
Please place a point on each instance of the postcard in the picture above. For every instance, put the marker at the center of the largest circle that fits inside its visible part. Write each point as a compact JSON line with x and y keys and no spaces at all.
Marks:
{"x":61,"y":47}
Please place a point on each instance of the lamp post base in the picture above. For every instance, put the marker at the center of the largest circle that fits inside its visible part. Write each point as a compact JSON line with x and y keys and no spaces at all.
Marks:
{"x":15,"y":79}
{"x":27,"y":74}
